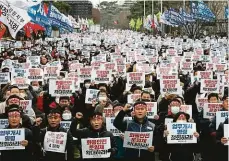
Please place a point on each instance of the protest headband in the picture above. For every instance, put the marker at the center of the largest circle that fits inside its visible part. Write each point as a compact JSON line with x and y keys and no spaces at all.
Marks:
{"x":14,"y":113}
{"x":54,"y":114}
{"x":97,"y":117}
{"x":140,"y":105}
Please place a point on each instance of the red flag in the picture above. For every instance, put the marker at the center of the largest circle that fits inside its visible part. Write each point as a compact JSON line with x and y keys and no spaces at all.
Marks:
{"x":46,"y":9}
{"x":2,"y":30}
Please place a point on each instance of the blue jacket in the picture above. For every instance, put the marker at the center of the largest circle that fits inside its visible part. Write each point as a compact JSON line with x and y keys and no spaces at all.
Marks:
{"x":135,"y":126}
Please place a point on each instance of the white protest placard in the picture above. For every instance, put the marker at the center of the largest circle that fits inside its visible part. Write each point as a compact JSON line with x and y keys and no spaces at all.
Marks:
{"x":26,"y":105}
{"x":131,"y":98}
{"x":4,"y":78}
{"x":75,"y":66}
{"x":137,"y":78}
{"x":19,"y":73}
{"x":33,"y":60}
{"x":121,"y":70}
{"x":205,"y":58}
{"x":205,"y":74}
{"x":209,"y":86}
{"x":96,"y":147}
{"x":171,"y":52}
{"x":200,"y":103}
{"x":210,"y":109}
{"x":55,"y":141}
{"x":21,"y":83}
{"x":199,"y":51}
{"x":186,"y":109}
{"x":168,"y":120}
{"x":4,"y":123}
{"x":152,"y":59}
{"x":138,"y":140}
{"x":151,"y":109}
{"x":110,"y":126}
{"x":91,"y":94}
{"x":76,"y":82}
{"x":51,"y":72}
{"x":219,"y":68}
{"x":171,"y":86}
{"x":108,"y":66}
{"x":226,"y":132}
{"x":61,"y":87}
{"x":108,"y":112}
{"x":65,"y":124}
{"x":10,"y":139}
{"x":221,"y":116}
{"x":186,"y":66}
{"x":101,"y":76}
{"x":100,"y":58}
{"x":163,"y":71}
{"x":85,"y":73}
{"x":181,"y":133}
{"x":169,"y":76}
{"x":35,"y":74}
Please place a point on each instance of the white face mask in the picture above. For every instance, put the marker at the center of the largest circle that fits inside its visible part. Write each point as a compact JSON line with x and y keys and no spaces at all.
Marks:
{"x":35,"y":88}
{"x":87,"y":85}
{"x":66,"y":116}
{"x":23,"y":95}
{"x":175,"y":109}
{"x":181,"y":121}
{"x":102,"y":98}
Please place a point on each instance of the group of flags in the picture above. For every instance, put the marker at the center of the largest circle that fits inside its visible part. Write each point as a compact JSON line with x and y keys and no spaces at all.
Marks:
{"x":172,"y":17}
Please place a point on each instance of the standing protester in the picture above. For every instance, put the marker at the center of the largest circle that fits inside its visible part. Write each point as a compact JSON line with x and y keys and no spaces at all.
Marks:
{"x":139,"y":123}
{"x":63,"y":138}
{"x":14,"y":117}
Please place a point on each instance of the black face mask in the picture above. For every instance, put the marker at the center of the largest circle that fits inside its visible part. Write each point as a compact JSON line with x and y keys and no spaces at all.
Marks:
{"x":145,"y":100}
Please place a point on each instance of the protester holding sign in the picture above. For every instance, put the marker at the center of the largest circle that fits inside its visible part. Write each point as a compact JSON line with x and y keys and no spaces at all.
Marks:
{"x":14,"y":116}
{"x":222,"y":142}
{"x":55,"y":140}
{"x":96,"y":130}
{"x":180,"y":151}
{"x":140,"y":123}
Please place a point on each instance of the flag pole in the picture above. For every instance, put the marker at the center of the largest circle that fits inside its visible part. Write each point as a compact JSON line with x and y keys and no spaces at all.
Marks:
{"x":144,"y":9}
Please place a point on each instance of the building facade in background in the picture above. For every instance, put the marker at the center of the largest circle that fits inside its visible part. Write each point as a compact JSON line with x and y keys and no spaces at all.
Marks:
{"x":81,"y":8}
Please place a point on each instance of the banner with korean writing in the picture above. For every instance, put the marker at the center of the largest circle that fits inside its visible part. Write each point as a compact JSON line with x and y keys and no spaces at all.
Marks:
{"x":171,"y":86}
{"x":209,"y":86}
{"x":19,"y":73}
{"x":75,"y":66}
{"x":131,"y":98}
{"x":22,"y":83}
{"x":51,"y":72}
{"x":137,"y":78}
{"x":221,"y":116}
{"x":210,"y":109}
{"x":200,"y":103}
{"x":4,"y":78}
{"x":205,"y":74}
{"x":55,"y":141}
{"x":101,"y":76}
{"x":61,"y":87}
{"x":13,"y":17}
{"x":219,"y":68}
{"x":26,"y":105}
{"x":96,"y":147}
{"x":151,"y":109}
{"x":85,"y":73}
{"x":186,"y":67}
{"x":108,"y":112}
{"x":138,"y":140}
{"x":110,"y":126}
{"x":10,"y":139}
{"x":4,"y":123}
{"x":91,"y":94}
{"x":35,"y":74}
{"x":181,"y":133}
{"x":65,"y":124}
{"x":34,"y":60}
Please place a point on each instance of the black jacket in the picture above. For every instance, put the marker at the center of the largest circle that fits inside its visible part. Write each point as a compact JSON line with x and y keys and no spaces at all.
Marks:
{"x":91,"y":133}
{"x":25,"y":154}
{"x":222,"y":150}
{"x":39,"y":135}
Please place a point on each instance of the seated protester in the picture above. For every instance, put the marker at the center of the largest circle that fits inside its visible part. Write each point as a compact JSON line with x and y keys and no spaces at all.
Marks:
{"x":42,"y":136}
{"x":207,"y":143}
{"x":95,"y":130}
{"x":225,"y":107}
{"x":139,"y":123}
{"x":181,"y":152}
{"x":222,"y":149}
{"x":15,"y":100}
{"x":103,"y":101}
{"x":14,"y":117}
{"x":64,"y":102}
